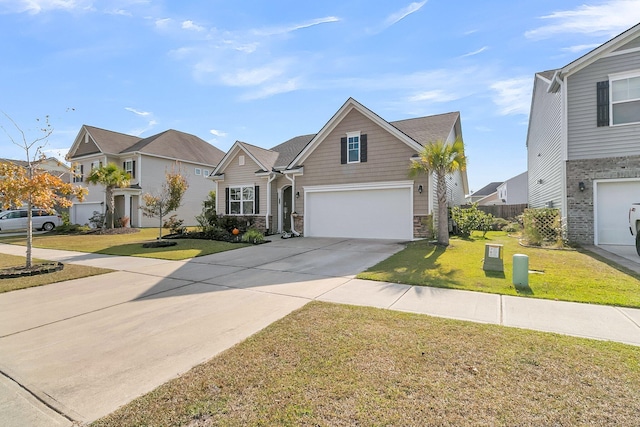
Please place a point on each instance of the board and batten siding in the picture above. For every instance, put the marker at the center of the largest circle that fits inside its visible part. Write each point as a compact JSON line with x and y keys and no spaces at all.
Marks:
{"x":585,"y":139}
{"x":236,"y":175}
{"x":387,"y":160}
{"x":545,"y":147}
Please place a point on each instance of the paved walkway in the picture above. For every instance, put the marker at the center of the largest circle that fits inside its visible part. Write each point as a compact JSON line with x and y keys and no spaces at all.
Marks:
{"x":77,"y":350}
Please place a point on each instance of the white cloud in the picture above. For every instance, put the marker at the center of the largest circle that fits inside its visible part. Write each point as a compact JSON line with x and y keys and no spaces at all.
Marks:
{"x":513,"y":96}
{"x":139,"y":113}
{"x":273,"y":89}
{"x":219,"y":133}
{"x":434,"y":95}
{"x":580,"y":48}
{"x":475,"y":52}
{"x":189,"y":25}
{"x":606,"y":19}
{"x":403,"y":13}
{"x":163,"y":23}
{"x":295,"y":27}
{"x":253,"y":77}
{"x":120,"y":12}
{"x":139,"y":131}
{"x":38,"y":6}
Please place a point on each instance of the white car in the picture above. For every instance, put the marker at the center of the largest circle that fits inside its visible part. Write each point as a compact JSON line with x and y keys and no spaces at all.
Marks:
{"x":17,"y":220}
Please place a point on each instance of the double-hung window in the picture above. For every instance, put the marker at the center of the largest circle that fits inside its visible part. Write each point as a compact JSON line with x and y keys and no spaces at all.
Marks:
{"x":241,"y":200}
{"x":353,"y":147}
{"x":129,"y":166}
{"x":625,"y":98}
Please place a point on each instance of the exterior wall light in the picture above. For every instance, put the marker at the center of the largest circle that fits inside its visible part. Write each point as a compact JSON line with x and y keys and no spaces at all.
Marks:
{"x":420,"y":188}
{"x":297,"y":194}
{"x":581,"y":186}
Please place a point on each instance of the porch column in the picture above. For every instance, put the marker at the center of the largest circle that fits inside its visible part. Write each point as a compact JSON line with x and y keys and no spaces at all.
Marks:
{"x":127,"y":208}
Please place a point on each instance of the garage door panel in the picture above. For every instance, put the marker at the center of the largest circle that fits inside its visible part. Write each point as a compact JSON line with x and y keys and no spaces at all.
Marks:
{"x":612,"y":211}
{"x":372,"y":213}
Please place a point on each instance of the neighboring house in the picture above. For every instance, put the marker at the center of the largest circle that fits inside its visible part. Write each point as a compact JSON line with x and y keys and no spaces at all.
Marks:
{"x":583,"y":141}
{"x":348,"y":180}
{"x":49,"y":164}
{"x":514,"y":191}
{"x":147,"y":160}
{"x":488,"y":192}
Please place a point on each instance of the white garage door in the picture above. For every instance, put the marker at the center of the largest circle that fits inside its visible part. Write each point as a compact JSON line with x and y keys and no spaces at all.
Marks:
{"x":369,"y":213}
{"x":613,"y":200}
{"x":81,"y":212}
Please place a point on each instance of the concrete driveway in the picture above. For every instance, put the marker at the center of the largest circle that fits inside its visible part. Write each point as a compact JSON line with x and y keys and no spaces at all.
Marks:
{"x":87,"y":346}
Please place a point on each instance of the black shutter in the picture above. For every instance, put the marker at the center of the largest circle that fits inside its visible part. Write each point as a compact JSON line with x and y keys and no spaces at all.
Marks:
{"x":602,"y":94}
{"x":343,"y":150}
{"x":81,"y":173}
{"x":226,"y":200}
{"x":133,"y":169}
{"x":256,"y":200}
{"x":124,"y":165}
{"x":363,"y":148}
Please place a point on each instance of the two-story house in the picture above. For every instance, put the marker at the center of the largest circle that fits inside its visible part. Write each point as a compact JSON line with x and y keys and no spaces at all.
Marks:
{"x":348,"y":180}
{"x":147,"y":160}
{"x":583,"y":141}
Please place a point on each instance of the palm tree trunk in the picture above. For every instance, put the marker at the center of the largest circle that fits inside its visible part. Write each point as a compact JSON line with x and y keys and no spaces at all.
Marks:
{"x":443,"y":216}
{"x":112,"y":206}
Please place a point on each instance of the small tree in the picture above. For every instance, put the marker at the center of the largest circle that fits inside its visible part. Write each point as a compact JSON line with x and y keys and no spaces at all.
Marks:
{"x":111,"y":176}
{"x":168,"y":199}
{"x":30,"y":185}
{"x":441,"y":158}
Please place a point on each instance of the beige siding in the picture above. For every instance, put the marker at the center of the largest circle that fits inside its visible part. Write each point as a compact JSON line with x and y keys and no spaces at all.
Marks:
{"x":85,"y":148}
{"x":387,"y":160}
{"x":236,"y":175}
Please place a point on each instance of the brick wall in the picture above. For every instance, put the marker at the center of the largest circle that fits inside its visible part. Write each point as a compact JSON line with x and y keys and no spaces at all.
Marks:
{"x":423,"y":226}
{"x":580,"y":220}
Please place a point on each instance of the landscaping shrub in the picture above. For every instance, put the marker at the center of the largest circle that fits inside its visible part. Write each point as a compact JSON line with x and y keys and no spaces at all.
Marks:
{"x":208,"y":218}
{"x":497,"y":224}
{"x":470,"y":219}
{"x":253,"y":236}
{"x":242,"y":223}
{"x":96,"y":220}
{"x":71,"y":229}
{"x":174,"y":225}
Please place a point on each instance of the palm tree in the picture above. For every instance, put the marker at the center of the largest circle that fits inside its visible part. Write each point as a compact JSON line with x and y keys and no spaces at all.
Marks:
{"x":441,"y":158}
{"x":111,"y":176}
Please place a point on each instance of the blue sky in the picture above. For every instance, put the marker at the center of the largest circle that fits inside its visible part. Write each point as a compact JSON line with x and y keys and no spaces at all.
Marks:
{"x":265,"y":71}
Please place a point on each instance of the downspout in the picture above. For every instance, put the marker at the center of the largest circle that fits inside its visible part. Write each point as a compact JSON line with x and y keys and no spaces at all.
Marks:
{"x":269,"y":181}
{"x":293,"y":202}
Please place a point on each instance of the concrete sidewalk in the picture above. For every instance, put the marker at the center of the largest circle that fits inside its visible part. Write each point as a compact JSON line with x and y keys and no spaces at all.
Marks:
{"x":90,"y":345}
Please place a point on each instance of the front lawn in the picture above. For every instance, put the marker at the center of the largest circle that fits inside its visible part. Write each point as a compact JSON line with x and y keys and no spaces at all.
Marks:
{"x":70,"y":272}
{"x":126,"y":244}
{"x":556,"y":274}
{"x":329,"y":364}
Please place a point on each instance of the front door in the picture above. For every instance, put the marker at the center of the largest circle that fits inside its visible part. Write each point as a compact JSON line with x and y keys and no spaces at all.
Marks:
{"x":286,"y":209}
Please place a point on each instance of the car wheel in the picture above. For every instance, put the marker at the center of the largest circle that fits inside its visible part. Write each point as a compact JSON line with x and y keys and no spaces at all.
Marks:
{"x":48,"y":226}
{"x":637,"y":243}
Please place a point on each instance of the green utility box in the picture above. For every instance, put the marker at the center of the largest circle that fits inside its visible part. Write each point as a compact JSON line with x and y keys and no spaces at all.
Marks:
{"x":493,"y":257}
{"x":520,"y":270}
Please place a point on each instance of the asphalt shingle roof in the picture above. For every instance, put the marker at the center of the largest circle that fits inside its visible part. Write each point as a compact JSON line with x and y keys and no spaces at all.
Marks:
{"x":289,"y":149}
{"x":266,"y":158}
{"x":178,"y":145}
{"x":425,"y":130}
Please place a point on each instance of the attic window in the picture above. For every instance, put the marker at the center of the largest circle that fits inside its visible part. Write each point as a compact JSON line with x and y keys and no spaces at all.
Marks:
{"x":206,"y":172}
{"x":86,"y":138}
{"x":198,"y":171}
{"x":353,"y":147}
{"x":241,"y":160}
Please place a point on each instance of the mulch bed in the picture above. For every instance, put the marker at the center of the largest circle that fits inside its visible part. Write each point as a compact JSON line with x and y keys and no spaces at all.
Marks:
{"x":119,"y":230}
{"x":13,"y":272}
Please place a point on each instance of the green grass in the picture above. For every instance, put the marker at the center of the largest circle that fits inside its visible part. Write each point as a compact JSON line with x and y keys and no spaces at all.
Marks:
{"x":329,"y":364}
{"x":69,"y":272}
{"x":566,"y":275}
{"x":127,"y":244}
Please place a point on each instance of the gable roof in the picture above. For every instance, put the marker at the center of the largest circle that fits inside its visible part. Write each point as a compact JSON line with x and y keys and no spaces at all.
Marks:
{"x":169,"y":144}
{"x":177,"y":145}
{"x":425,"y":130}
{"x":265,"y":159}
{"x":288,"y":150}
{"x":347,"y":107}
{"x":487,"y":189}
{"x":597,"y":53}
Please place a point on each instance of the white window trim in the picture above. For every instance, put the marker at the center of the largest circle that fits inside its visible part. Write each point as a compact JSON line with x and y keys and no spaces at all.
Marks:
{"x":242,"y":201}
{"x":130,"y":171}
{"x":241,"y":160}
{"x":612,"y":78}
{"x":353,"y":135}
{"x":206,"y":172}
{"x":198,"y":171}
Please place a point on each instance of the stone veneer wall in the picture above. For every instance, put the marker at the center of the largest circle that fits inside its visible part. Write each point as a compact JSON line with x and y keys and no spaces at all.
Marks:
{"x":580,"y":213}
{"x":298,"y":223}
{"x":423,"y":226}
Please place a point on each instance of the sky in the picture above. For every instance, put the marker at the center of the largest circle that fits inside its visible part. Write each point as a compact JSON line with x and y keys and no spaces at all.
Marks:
{"x":263,"y":72}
